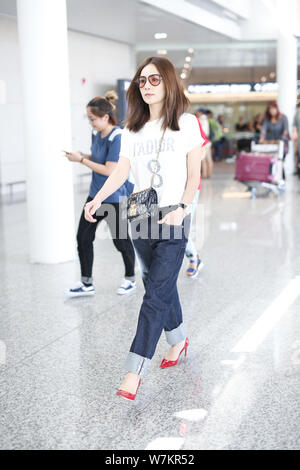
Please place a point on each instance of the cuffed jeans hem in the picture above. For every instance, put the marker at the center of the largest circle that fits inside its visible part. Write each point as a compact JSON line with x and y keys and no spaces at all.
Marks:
{"x":87,"y":280}
{"x":137,"y":364}
{"x":176,"y":336}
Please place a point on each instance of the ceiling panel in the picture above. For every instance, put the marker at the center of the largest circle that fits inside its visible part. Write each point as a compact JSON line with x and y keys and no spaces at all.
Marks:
{"x":135,"y":23}
{"x":112,"y":19}
{"x":128,"y":21}
{"x":150,"y":20}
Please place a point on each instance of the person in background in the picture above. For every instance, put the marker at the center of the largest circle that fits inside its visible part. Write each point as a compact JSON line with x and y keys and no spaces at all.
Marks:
{"x":275,"y":127}
{"x":102,"y":161}
{"x":242,"y":143}
{"x":215,"y":136}
{"x":207,"y":162}
{"x":241,"y":125}
{"x":200,"y":113}
{"x":296,"y":138}
{"x":196,"y":264}
{"x":211,"y":123}
{"x":258,"y":120}
{"x":250,"y":126}
{"x":221,"y":121}
{"x":223,"y":142}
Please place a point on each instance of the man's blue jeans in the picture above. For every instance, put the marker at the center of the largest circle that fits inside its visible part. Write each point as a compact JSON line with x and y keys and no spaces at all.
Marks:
{"x":160,"y":256}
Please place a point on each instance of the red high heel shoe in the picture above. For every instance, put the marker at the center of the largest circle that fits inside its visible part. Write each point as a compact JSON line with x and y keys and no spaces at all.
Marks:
{"x":165,"y":363}
{"x":127,"y":395}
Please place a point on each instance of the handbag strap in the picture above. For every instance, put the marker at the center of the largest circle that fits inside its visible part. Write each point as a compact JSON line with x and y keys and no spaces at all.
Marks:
{"x":157,"y":156}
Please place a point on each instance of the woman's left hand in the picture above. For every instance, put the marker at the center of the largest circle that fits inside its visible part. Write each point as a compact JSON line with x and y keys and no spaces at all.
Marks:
{"x":173,"y":218}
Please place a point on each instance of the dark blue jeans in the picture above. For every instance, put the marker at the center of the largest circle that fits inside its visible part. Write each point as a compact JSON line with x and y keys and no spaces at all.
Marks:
{"x":160,"y":250}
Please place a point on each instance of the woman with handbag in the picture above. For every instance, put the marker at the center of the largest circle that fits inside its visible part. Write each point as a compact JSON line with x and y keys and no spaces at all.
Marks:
{"x":162,"y":146}
{"x":103,"y":159}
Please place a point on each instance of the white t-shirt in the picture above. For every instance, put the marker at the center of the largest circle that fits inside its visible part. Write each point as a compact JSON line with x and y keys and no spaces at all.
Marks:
{"x":141,"y":149}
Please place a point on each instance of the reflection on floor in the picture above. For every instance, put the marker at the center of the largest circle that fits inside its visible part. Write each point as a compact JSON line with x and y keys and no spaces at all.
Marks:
{"x":62,"y":360}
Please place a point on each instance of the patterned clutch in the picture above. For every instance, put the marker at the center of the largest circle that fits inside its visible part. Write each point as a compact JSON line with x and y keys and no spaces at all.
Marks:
{"x":143,"y":204}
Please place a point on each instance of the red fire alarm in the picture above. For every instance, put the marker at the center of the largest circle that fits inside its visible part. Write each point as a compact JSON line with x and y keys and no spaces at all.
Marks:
{"x":83,"y":81}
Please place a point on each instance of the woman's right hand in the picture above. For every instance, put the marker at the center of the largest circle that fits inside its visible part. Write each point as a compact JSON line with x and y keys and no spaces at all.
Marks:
{"x":74,"y":156}
{"x":90,"y":208}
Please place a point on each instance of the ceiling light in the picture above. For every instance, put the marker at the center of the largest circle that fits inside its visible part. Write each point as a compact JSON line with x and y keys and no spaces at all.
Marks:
{"x":186,"y":66}
{"x":263,"y":79}
{"x":160,"y":35}
{"x":191,"y":50}
{"x":183,"y":76}
{"x":162,"y":51}
{"x":188,"y":59}
{"x":272,"y":75}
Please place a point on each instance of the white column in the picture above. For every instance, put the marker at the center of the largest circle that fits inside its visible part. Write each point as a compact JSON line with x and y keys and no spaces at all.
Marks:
{"x":42,"y":28}
{"x":2,"y":92}
{"x":287,"y":68}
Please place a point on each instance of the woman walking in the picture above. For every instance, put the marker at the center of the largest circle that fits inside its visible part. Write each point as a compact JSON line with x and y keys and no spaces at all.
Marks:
{"x":161,"y":142}
{"x":102,"y":161}
{"x":275,"y":127}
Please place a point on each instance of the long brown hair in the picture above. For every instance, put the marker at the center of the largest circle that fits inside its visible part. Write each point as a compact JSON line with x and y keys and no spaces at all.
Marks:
{"x":104,"y":105}
{"x":273,"y":104}
{"x":176,"y":103}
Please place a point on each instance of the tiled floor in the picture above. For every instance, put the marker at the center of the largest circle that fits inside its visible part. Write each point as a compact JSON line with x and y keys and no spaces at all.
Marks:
{"x":62,"y":360}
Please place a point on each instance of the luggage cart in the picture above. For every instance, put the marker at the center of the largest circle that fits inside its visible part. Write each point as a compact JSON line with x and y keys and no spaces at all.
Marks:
{"x":262,"y":168}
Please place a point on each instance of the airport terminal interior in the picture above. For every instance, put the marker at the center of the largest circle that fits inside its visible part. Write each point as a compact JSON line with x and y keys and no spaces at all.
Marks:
{"x":62,"y":356}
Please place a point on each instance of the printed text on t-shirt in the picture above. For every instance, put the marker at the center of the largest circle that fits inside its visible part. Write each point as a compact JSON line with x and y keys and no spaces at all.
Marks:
{"x":151,"y":146}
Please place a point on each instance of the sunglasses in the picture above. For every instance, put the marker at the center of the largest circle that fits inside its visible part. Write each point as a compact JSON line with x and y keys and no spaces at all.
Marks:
{"x":153,"y":79}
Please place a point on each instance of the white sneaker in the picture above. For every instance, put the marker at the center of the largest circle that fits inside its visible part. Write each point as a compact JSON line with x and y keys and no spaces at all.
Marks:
{"x":80,"y":290}
{"x":126,"y":287}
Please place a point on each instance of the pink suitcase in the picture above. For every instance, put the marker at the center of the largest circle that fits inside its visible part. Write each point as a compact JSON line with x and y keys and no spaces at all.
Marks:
{"x":256,"y":167}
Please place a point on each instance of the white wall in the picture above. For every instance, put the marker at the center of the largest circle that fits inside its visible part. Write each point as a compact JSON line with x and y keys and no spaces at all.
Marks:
{"x":101,"y":62}
{"x":268,"y":16}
